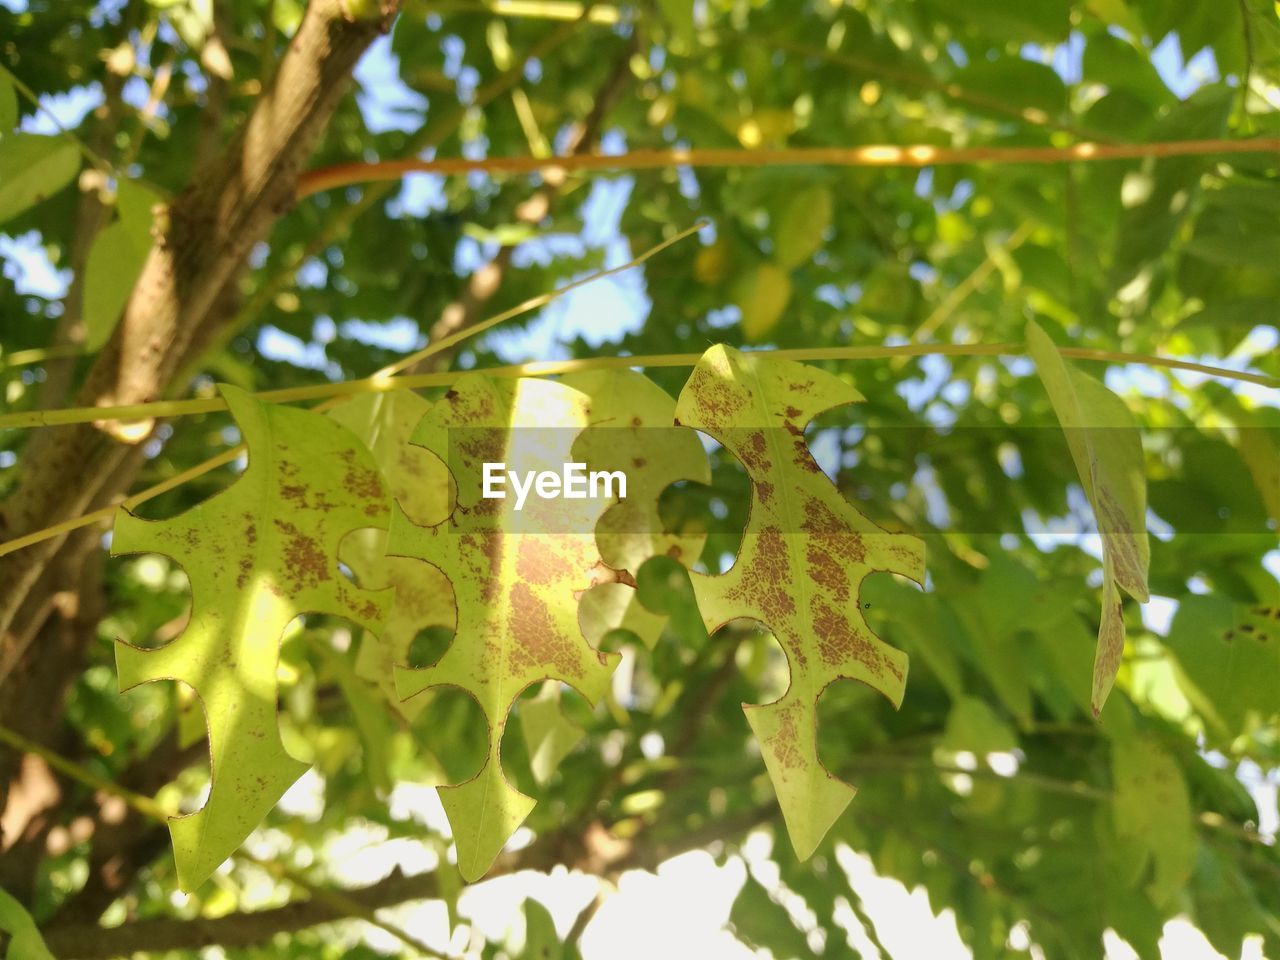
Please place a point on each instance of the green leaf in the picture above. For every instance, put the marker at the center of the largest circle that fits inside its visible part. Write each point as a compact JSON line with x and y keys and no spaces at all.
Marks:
{"x":1104,"y":442}
{"x":257,"y":555}
{"x":541,"y":942}
{"x":515,"y":575}
{"x":804,"y":553}
{"x":1152,"y":814}
{"x":419,"y":483}
{"x":761,"y":922}
{"x":19,"y":933}
{"x":994,"y":615}
{"x":33,"y":167}
{"x":974,"y":727}
{"x":8,"y":104}
{"x":372,"y":722}
{"x":762,"y":294}
{"x":549,"y":735}
{"x":1229,"y":661}
{"x":115,"y":260}
{"x":800,"y":230}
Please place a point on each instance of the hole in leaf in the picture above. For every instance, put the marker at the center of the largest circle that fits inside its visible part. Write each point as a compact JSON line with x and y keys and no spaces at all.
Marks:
{"x":452,"y":731}
{"x":429,"y":645}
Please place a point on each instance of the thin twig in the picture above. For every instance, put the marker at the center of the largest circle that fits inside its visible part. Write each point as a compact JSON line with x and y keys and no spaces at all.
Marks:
{"x":86,"y":151}
{"x":879,"y":155}
{"x":384,"y":383}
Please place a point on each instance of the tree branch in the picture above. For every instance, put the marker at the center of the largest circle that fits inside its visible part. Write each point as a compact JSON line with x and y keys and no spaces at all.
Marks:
{"x":88,"y":941}
{"x":876,"y":155}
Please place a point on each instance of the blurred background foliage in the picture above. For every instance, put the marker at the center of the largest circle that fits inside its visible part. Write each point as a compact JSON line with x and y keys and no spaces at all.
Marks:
{"x":992,"y":788}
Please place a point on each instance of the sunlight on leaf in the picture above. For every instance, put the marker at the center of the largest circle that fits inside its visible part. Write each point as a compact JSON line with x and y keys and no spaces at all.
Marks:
{"x":516,"y":577}
{"x":258,"y":555}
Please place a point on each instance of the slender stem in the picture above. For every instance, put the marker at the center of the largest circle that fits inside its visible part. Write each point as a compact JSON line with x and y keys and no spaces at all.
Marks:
{"x":86,"y":151}
{"x":413,"y":359}
{"x":881,"y":155}
{"x":23,"y":358}
{"x":384,"y":383}
{"x":144,"y":805}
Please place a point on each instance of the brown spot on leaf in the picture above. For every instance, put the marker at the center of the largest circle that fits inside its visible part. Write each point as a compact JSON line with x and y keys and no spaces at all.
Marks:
{"x":305,"y":562}
{"x":824,"y":569}
{"x":786,"y":748}
{"x":766,"y":580}
{"x":842,"y":641}
{"x":538,"y":642}
{"x":535,"y":561}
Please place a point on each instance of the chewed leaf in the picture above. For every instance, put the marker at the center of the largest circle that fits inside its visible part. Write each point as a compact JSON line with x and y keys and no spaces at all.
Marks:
{"x":804,"y":554}
{"x":419,"y":481}
{"x":516,"y":576}
{"x":1107,"y":450}
{"x":257,"y":555}
{"x":632,"y":431}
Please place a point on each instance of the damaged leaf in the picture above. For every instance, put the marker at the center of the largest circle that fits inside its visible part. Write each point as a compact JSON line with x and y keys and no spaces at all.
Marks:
{"x":516,"y":576}
{"x":257,"y":555}
{"x":804,"y":554}
{"x":1107,"y":452}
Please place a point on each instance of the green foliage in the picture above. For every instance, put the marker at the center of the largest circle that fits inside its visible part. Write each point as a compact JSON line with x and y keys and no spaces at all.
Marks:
{"x":993,"y":789}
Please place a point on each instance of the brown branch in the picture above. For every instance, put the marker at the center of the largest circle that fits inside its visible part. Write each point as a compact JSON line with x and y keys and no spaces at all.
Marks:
{"x":88,"y":941}
{"x":338,"y":223}
{"x":876,"y":155}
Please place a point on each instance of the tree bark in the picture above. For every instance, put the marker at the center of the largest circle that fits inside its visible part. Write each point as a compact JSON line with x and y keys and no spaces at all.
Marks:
{"x":202,"y":240}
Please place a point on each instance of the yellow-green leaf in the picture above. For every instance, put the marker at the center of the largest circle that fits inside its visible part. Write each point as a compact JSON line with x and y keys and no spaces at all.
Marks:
{"x":800,"y":228}
{"x":257,"y":555}
{"x":762,"y":294}
{"x":18,"y":932}
{"x":1107,"y":450}
{"x":516,"y":576}
{"x":804,"y":554}
{"x":632,"y":430}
